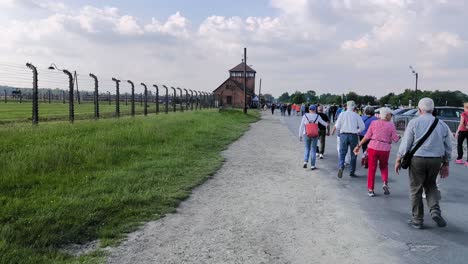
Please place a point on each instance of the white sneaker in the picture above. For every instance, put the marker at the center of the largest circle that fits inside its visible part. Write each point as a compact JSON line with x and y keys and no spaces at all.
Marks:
{"x":305,"y":165}
{"x":424,"y":195}
{"x":321,"y":156}
{"x":316,"y":154}
{"x":313,"y":167}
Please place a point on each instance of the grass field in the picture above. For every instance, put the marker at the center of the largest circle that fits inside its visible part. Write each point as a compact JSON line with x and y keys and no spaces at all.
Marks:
{"x":16,"y":112}
{"x":63,"y":184}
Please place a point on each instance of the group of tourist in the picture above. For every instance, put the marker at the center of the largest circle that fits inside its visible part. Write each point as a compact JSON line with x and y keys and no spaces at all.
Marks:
{"x":425,"y":149}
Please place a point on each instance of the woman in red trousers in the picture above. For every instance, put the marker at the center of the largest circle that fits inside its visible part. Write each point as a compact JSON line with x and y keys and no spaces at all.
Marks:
{"x":381,"y":133}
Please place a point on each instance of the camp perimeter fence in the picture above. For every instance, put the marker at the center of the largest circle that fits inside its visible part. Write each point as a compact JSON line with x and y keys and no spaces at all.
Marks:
{"x":30,"y":93}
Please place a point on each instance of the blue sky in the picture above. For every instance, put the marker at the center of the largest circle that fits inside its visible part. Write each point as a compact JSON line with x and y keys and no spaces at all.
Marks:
{"x":334,"y":46}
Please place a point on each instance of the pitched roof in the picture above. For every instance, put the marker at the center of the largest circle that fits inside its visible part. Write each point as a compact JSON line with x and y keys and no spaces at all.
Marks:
{"x":236,"y":84}
{"x":240,"y":68}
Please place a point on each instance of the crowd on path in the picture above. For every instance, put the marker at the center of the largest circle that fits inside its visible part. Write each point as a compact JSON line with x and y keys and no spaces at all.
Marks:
{"x":425,"y":148}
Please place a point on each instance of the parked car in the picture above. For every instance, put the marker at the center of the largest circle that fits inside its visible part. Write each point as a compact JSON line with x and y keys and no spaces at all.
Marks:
{"x":402,"y":120}
{"x":450,"y":115}
{"x":400,"y":111}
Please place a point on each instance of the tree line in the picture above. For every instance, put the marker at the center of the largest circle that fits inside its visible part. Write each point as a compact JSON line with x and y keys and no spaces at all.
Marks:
{"x":441,"y":98}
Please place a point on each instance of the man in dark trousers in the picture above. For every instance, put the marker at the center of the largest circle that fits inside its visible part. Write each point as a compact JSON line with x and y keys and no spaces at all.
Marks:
{"x":429,"y":160}
{"x":323,"y":131}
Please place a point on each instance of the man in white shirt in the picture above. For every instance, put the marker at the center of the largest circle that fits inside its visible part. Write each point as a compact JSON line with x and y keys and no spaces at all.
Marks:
{"x":349,"y":124}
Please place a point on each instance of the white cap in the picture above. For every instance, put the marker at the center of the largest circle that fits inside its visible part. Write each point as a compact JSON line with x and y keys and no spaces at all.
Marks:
{"x":426,"y":104}
{"x":384,"y":111}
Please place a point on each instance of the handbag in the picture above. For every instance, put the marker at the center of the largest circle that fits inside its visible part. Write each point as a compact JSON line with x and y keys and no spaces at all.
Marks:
{"x":406,"y":159}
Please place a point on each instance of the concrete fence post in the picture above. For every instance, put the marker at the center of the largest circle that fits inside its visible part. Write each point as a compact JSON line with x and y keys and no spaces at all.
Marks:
{"x":174,"y":98}
{"x":71,"y":106}
{"x":145,"y":99}
{"x":117,"y":96}
{"x":166,"y":109}
{"x":96,"y":95}
{"x":35,"y":98}
{"x":157,"y":98}
{"x":132,"y":99}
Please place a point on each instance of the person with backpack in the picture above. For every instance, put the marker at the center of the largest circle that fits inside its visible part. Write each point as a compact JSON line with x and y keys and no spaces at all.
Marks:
{"x":461,"y":135}
{"x":309,"y":131}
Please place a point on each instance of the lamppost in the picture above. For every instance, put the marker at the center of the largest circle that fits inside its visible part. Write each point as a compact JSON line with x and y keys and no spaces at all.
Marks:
{"x":416,"y":87}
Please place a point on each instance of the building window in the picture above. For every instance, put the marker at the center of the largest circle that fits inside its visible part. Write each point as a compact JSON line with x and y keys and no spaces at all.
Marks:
{"x":229,"y":100}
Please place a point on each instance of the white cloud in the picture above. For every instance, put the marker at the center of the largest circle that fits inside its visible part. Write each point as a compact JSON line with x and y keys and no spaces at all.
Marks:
{"x":368,"y":43}
{"x":176,"y":25}
{"x":442,"y":42}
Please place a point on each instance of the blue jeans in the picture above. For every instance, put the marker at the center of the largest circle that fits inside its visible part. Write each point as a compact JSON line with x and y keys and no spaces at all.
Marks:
{"x":348,"y":142}
{"x":310,"y":146}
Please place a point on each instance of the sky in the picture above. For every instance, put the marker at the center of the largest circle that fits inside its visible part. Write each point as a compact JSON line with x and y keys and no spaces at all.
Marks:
{"x":329,"y":46}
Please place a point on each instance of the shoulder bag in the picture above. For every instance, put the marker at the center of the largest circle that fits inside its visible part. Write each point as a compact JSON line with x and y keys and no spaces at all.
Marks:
{"x":406,"y":159}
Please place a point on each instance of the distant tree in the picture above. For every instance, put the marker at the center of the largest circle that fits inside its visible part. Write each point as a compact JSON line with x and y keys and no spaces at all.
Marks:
{"x":298,"y":98}
{"x":311,"y":96}
{"x":284,"y":97}
{"x":267,"y":98}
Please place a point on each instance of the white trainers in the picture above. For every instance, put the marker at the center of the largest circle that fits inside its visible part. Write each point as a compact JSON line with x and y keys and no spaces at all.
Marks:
{"x":313,"y":167}
{"x":305,"y":165}
{"x":321,"y":156}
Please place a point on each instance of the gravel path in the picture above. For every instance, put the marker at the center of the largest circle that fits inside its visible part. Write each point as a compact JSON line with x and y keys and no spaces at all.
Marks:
{"x":261,"y":207}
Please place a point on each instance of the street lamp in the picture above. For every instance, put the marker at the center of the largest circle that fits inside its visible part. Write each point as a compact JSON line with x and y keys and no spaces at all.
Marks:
{"x":416,"y":87}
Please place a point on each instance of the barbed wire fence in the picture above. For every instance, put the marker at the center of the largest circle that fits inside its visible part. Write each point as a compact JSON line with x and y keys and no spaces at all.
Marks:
{"x":44,"y":93}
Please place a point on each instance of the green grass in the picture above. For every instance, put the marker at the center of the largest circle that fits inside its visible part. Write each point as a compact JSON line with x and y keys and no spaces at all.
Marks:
{"x":62,"y":184}
{"x":16,"y":112}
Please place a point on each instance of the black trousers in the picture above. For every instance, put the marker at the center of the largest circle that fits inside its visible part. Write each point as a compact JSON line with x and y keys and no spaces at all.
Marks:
{"x":462,"y":135}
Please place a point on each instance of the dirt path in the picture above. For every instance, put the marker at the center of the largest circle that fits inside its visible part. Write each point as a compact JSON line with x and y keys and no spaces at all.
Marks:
{"x":261,"y":207}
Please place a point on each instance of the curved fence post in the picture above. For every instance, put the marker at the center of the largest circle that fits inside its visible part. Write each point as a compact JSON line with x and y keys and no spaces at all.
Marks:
{"x":157,"y":98}
{"x":71,"y":106}
{"x":166,"y":109}
{"x":145,"y":99}
{"x":181,"y":101}
{"x":186,"y":100}
{"x":96,"y":95}
{"x":191,"y":99}
{"x":196,"y":100}
{"x":133,"y":98}
{"x":117,"y":97}
{"x":174,"y":98}
{"x":35,"y":98}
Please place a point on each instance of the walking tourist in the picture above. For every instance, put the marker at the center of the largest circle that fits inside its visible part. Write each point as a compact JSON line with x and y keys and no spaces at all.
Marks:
{"x":368,"y":118}
{"x":289,"y":108}
{"x":323,"y":130}
{"x":431,"y":158}
{"x":350,"y":125}
{"x":273,"y":109}
{"x":310,"y":142}
{"x":462,"y":135}
{"x":380,"y":133}
{"x":303,"y":109}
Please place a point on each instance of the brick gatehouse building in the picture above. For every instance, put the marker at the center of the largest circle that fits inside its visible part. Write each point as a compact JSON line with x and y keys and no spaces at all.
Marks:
{"x":231,"y":92}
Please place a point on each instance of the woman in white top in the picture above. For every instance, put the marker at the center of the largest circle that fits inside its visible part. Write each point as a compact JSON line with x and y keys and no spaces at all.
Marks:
{"x":310,"y":142}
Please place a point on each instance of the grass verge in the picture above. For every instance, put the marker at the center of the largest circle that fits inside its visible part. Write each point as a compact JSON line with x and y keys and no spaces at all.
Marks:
{"x":70,"y":184}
